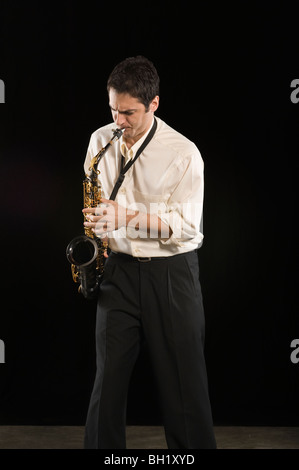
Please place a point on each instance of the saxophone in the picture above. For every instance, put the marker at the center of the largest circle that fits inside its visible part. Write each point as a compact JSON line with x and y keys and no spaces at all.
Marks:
{"x":86,"y":252}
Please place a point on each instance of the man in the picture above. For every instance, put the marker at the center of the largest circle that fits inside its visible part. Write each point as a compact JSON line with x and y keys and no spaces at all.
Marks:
{"x":150,"y":290}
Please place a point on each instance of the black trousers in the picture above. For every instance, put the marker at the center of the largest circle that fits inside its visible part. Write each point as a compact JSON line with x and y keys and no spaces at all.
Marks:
{"x":159,"y":300}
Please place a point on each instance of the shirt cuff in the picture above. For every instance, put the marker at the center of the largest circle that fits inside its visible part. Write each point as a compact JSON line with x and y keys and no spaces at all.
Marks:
{"x":174,"y":222}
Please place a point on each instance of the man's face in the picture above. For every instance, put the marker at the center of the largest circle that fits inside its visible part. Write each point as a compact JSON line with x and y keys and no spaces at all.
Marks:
{"x":129,"y":114}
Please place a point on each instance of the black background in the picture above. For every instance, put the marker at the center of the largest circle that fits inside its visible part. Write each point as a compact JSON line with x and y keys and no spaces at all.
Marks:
{"x":225,"y":72}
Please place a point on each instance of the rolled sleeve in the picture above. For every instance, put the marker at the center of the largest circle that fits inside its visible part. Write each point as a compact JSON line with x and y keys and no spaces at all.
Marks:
{"x":184,"y":208}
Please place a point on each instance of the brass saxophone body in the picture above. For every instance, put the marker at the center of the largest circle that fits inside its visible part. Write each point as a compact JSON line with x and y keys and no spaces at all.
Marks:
{"x":86,"y":252}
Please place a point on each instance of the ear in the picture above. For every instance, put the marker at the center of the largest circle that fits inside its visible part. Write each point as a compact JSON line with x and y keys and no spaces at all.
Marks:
{"x":154,"y":104}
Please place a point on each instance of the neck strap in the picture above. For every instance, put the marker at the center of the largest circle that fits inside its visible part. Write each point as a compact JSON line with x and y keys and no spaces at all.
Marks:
{"x":125,"y":168}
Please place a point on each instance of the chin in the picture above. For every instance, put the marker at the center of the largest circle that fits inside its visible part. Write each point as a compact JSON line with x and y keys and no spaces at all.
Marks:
{"x":129,"y":132}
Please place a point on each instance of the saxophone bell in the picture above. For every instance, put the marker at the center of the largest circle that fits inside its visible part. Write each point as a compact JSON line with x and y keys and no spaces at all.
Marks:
{"x":82,"y":253}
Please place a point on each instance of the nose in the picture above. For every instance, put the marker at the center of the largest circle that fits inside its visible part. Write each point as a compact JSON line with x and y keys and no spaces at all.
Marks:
{"x":119,"y":119}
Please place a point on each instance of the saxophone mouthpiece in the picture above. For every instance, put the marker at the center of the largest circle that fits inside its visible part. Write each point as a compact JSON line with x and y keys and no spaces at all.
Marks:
{"x":117,"y":133}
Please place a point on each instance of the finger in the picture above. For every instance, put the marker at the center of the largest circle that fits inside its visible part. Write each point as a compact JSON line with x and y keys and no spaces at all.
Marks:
{"x":103,"y":227}
{"x":95,"y":214}
{"x":99,"y":232}
{"x":89,"y":224}
{"x":89,"y":210}
{"x":93,"y":218}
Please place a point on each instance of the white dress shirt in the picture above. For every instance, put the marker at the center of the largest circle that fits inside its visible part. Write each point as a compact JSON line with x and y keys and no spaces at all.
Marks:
{"x":166,"y":180}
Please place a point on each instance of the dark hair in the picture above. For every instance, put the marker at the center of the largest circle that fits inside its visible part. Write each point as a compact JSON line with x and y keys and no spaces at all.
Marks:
{"x":136,"y":76}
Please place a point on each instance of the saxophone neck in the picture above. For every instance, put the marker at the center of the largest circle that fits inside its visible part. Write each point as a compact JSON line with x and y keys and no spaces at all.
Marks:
{"x":117,"y":133}
{"x":95,"y":160}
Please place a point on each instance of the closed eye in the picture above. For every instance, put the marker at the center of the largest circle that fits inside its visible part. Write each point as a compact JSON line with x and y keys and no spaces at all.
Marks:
{"x":128,"y":112}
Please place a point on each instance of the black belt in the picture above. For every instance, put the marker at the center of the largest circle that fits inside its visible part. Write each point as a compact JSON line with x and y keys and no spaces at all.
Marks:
{"x":147,"y":258}
{"x":138,"y":258}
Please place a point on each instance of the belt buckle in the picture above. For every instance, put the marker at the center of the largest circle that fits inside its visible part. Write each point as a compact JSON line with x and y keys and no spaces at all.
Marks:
{"x":144,"y":260}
